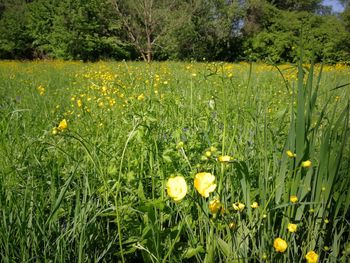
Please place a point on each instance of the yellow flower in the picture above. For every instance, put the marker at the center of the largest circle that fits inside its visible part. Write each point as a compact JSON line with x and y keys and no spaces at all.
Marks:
{"x":254,"y":205}
{"x":141,"y":97}
{"x":292,"y":227}
{"x":176,"y":187}
{"x":224,"y":159}
{"x":291,"y":154}
{"x":280,"y":245}
{"x":238,"y":206}
{"x":311,"y":257}
{"x":214,"y":206}
{"x":180,"y":145}
{"x":79,"y":103}
{"x":208,"y":153}
{"x":41,"y":90}
{"x":232,"y":225}
{"x":213,"y":149}
{"x":54,"y":131}
{"x":306,"y":164}
{"x":204,"y":183}
{"x":62,"y":125}
{"x":293,"y":199}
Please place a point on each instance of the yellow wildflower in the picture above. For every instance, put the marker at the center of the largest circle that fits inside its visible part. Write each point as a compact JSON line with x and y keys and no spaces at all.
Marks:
{"x":280,"y":245}
{"x":213,"y":149}
{"x":208,"y":153}
{"x":141,"y":97}
{"x":306,"y":164}
{"x":293,"y":199}
{"x":291,"y":154}
{"x":41,"y":90}
{"x":62,"y":125}
{"x":238,"y":206}
{"x":224,"y":158}
{"x":54,"y":131}
{"x":292,"y":227}
{"x":311,"y":257}
{"x":232,"y":225}
{"x":214,"y":205}
{"x":204,"y":183}
{"x":176,"y":187}
{"x":79,"y":103}
{"x":254,"y":205}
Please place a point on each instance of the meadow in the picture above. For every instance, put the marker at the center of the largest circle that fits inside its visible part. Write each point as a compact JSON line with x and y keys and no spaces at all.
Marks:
{"x":174,"y":162}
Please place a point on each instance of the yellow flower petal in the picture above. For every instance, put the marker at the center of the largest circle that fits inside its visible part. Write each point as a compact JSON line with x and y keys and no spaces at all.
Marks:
{"x":293,"y":199}
{"x":311,"y":257}
{"x":254,"y":205}
{"x":214,"y":206}
{"x":292,"y":227}
{"x":291,"y":154}
{"x":224,"y":158}
{"x":306,"y":164}
{"x":280,"y":245}
{"x":176,"y":188}
{"x":62,"y":125}
{"x":204,"y":183}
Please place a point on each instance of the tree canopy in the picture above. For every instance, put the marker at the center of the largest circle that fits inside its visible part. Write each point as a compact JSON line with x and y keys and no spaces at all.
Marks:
{"x":230,"y":30}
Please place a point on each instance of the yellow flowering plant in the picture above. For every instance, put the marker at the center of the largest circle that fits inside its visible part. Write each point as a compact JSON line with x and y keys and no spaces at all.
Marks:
{"x":238,"y":206}
{"x":293,"y":199}
{"x":176,"y":187}
{"x":62,"y":125}
{"x":215,"y":205}
{"x":291,"y":154}
{"x":311,"y":257}
{"x":280,"y":245}
{"x":204,"y":183}
{"x":292,"y":227}
{"x":254,"y":205}
{"x":306,"y":164}
{"x":224,"y":158}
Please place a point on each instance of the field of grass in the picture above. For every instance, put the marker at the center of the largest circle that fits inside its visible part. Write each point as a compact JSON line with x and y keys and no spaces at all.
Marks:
{"x":87,"y":151}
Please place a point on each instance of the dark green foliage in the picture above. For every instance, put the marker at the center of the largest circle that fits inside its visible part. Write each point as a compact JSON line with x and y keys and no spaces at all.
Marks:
{"x":89,"y":30}
{"x":70,"y":29}
{"x":15,"y":40}
{"x":324,"y":37}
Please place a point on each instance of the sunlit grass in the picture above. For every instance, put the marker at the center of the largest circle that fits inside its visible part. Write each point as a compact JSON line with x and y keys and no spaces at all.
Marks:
{"x":87,"y":151}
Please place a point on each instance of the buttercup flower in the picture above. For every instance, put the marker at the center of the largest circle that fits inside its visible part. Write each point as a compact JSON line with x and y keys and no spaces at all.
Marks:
{"x":63,"y":125}
{"x":292,"y":227}
{"x":306,"y":164}
{"x":204,"y":183}
{"x":213,"y":149}
{"x":54,"y":131}
{"x":141,"y":97}
{"x":254,"y":205}
{"x":293,"y":199}
{"x":224,"y":158}
{"x":238,"y":206}
{"x":311,"y":257}
{"x":280,"y":245}
{"x":291,"y":154}
{"x":176,"y":187}
{"x":214,"y":206}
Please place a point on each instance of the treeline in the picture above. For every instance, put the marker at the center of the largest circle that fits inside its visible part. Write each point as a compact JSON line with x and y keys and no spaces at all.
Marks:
{"x":229,"y":30}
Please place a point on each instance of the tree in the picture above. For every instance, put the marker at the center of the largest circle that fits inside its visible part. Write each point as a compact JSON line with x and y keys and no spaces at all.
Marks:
{"x":298,"y":5}
{"x":15,"y":41}
{"x":145,"y":21}
{"x":208,"y":29}
{"x":75,"y":29}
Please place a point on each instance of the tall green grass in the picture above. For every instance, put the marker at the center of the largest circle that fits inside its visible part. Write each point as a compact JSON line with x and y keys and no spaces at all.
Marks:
{"x":96,"y":191}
